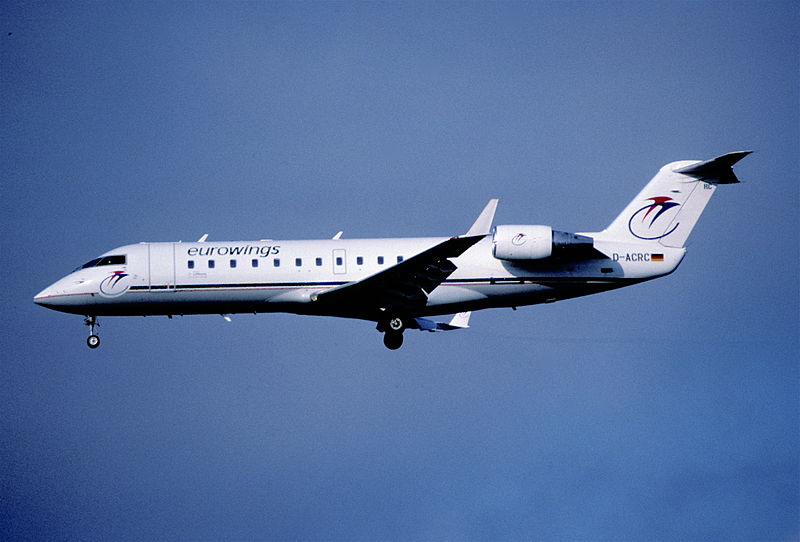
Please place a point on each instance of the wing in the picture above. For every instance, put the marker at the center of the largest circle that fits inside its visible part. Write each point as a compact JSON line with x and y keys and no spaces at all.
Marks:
{"x":403,"y":287}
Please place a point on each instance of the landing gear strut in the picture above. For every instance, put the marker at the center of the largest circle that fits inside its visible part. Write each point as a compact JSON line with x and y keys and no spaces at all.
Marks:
{"x":93,"y":341}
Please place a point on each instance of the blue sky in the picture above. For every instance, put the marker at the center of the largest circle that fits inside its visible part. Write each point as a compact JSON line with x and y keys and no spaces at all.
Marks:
{"x":666,"y":412}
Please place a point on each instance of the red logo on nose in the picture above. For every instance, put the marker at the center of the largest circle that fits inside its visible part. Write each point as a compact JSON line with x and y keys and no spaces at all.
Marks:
{"x":114,"y":285}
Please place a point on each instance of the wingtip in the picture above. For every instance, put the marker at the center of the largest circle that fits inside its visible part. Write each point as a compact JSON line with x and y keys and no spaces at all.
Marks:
{"x":483,"y":224}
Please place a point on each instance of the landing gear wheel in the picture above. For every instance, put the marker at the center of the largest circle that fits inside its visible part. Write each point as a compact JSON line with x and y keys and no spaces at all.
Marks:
{"x":93,"y":341}
{"x":396,"y":324}
{"x":392,"y":340}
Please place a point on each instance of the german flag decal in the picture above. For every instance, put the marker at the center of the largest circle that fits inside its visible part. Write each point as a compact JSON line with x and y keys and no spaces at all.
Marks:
{"x":656,"y":257}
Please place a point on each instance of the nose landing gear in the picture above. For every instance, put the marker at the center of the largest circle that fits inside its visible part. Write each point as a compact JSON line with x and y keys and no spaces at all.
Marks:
{"x":93,"y":341}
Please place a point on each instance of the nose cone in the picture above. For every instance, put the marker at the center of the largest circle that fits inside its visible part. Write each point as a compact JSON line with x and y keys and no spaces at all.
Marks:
{"x":41,"y":297}
{"x":49,"y":297}
{"x":66,"y":295}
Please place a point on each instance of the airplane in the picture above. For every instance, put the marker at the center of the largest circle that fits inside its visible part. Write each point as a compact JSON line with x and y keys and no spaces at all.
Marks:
{"x":400,"y":283}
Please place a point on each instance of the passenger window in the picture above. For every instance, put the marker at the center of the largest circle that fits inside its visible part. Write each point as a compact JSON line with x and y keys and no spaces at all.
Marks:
{"x":190,"y":263}
{"x":380,"y":260}
{"x":211,"y":264}
{"x":399,"y":259}
{"x":359,"y":260}
{"x":298,"y":262}
{"x":276,"y":262}
{"x":254,"y":262}
{"x":319,"y":262}
{"x":233,"y":263}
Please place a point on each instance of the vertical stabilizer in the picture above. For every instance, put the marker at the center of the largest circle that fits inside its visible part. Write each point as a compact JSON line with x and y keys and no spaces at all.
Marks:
{"x":668,"y":208}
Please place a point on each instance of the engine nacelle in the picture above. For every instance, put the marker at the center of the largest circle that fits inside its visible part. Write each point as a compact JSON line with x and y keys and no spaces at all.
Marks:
{"x":523,"y":242}
{"x":535,"y":242}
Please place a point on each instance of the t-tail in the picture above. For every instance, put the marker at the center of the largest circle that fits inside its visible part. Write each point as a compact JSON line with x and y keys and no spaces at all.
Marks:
{"x":667,"y":209}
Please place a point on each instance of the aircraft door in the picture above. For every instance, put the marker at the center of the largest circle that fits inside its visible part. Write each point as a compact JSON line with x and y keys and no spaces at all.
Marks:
{"x":339,"y":261}
{"x":162,"y":266}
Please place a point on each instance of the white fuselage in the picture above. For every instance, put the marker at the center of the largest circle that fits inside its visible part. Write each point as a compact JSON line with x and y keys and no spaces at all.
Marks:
{"x":398,"y":282}
{"x":284,"y":276}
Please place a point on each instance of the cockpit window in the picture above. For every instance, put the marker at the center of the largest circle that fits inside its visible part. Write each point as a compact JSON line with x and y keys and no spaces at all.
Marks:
{"x":112,"y":260}
{"x":105,"y":260}
{"x":90,"y":263}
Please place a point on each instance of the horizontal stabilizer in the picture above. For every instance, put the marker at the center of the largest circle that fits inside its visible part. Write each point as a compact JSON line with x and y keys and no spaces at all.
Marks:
{"x":717,"y":170}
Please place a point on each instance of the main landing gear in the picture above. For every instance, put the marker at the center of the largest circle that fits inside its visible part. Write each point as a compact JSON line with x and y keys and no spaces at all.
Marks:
{"x":392,"y":332}
{"x":93,"y":341}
